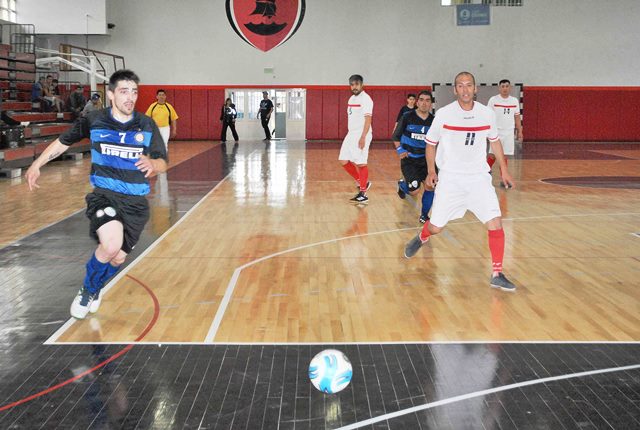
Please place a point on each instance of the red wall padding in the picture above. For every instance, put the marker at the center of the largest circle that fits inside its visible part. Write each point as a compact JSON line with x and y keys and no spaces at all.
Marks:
{"x":574,"y":114}
{"x":198,"y":109}
{"x":327,"y":111}
{"x":562,"y":114}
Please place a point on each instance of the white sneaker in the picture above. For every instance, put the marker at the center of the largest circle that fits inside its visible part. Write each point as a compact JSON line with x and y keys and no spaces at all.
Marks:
{"x":95,"y":304}
{"x":81,"y":304}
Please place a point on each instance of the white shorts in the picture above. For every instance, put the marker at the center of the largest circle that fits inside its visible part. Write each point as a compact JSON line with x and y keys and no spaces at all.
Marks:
{"x":508,"y":142}
{"x":457,"y":193}
{"x":350,"y":150}
{"x":165,"y":132}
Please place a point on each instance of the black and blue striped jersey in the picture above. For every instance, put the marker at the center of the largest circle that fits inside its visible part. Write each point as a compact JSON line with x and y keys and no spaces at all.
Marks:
{"x":411,"y":132}
{"x":116,"y":147}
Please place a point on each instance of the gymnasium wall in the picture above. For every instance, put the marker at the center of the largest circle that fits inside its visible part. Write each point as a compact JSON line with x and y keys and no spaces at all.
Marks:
{"x":406,"y":42}
{"x":561,"y":114}
{"x":559,"y":50}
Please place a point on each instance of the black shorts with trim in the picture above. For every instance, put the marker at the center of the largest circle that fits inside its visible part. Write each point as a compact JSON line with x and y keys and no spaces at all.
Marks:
{"x":132,"y":212}
{"x":414,"y":171}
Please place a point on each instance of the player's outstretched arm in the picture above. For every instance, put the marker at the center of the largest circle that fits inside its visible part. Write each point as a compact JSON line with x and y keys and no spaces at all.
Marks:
{"x":54,"y":150}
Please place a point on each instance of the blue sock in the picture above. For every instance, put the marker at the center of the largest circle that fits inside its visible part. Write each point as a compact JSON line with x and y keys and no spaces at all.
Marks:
{"x":111,"y":270}
{"x":403,"y":186}
{"x":427,"y":201}
{"x":95,"y":272}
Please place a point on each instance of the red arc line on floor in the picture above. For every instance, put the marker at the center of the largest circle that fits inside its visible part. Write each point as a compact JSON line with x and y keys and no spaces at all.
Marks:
{"x":156,"y":312}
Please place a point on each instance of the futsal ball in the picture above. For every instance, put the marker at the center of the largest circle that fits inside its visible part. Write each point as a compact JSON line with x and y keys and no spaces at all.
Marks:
{"x":330,"y":371}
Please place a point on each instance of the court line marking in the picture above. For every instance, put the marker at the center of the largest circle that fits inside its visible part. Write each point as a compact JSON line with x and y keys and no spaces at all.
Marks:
{"x":364,"y":343}
{"x":15,"y":242}
{"x":54,"y":337}
{"x":215,"y":325}
{"x":147,"y":329}
{"x":449,"y":400}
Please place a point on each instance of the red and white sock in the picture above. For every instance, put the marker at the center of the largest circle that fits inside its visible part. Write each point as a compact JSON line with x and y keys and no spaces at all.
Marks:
{"x":496,"y":246}
{"x":352,"y":170}
{"x":425,"y":233}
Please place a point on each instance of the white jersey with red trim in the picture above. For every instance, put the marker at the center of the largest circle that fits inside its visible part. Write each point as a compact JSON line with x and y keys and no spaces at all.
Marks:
{"x":461,"y":137}
{"x":358,"y":108}
{"x":505,"y":110}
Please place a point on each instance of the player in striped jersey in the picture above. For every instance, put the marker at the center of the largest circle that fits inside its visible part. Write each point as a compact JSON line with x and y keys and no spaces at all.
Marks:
{"x":459,"y":132}
{"x":507,"y":110}
{"x":409,"y":138}
{"x":126,"y":148}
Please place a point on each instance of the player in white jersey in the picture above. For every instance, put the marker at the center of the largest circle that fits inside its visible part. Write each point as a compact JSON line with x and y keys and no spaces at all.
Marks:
{"x":507,"y":110}
{"x":459,"y":132}
{"x":355,"y":146}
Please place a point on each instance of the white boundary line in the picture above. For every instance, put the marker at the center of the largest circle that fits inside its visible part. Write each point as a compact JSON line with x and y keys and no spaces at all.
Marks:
{"x":411,"y":342}
{"x":449,"y":400}
{"x":215,"y":325}
{"x":15,"y":242}
{"x":54,"y":337}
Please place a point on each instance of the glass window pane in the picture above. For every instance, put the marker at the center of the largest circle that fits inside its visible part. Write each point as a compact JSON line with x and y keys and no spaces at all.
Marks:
{"x":12,"y":5}
{"x":254,"y":98}
{"x":4,"y":4}
{"x":12,"y":16}
{"x":4,"y":14}
{"x":238,"y":99}
{"x":296,"y":104}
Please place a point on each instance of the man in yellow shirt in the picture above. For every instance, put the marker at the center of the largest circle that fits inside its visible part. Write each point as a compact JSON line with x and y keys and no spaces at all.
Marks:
{"x":164,"y":115}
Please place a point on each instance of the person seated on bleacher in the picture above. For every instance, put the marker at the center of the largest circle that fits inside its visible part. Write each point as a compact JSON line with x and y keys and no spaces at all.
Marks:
{"x":49,"y":94}
{"x":37,"y":95}
{"x":94,"y":104}
{"x":77,"y":101}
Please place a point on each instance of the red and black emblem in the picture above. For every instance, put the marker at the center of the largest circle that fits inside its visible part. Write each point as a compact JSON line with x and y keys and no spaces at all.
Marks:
{"x":263,"y":23}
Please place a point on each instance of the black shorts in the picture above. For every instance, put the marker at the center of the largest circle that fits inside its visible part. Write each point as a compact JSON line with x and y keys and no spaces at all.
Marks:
{"x":132,"y":211}
{"x":414,"y":171}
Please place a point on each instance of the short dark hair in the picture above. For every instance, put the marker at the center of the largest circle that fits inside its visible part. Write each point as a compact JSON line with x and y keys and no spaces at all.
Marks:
{"x":160,"y":90}
{"x":455,"y":81}
{"x":504,"y":81}
{"x":122,"y":75}
{"x":426,"y":93}
{"x":356,"y":78}
{"x":54,"y":80}
{"x":411,"y":95}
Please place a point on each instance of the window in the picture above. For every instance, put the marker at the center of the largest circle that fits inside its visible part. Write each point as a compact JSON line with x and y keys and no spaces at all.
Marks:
{"x":489,"y":2}
{"x":296,"y":104}
{"x":8,"y":10}
{"x":253,"y":99}
{"x":237,"y":97}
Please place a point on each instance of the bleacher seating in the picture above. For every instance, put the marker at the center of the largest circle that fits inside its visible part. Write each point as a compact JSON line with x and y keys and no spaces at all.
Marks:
{"x":17,"y":76}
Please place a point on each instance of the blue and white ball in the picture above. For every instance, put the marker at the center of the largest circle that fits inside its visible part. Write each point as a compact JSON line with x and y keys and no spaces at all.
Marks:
{"x":330,"y":371}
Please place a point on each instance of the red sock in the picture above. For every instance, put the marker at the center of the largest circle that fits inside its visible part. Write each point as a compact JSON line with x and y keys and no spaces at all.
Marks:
{"x":490,"y":161}
{"x":364,"y":178}
{"x":496,"y":246}
{"x":352,"y":170}
{"x":425,"y":233}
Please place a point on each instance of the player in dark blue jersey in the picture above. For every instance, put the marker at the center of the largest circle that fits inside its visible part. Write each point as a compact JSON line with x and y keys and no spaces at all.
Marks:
{"x":409,"y":139}
{"x":126,"y":148}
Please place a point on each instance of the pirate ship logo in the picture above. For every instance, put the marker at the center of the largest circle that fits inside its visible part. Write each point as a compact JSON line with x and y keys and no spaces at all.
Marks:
{"x":264,"y":24}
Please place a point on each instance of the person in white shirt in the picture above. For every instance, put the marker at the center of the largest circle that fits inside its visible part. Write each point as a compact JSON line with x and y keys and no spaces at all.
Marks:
{"x":507,"y":110}
{"x":354,"y":151}
{"x":459,"y":132}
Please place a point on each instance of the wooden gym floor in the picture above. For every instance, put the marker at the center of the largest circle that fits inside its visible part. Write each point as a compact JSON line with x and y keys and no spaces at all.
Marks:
{"x":254,"y":260}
